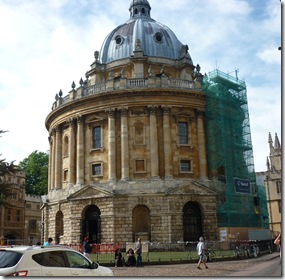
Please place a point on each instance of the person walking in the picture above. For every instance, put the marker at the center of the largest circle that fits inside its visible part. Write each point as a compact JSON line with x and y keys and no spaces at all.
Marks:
{"x":201,"y":253}
{"x":87,"y":248}
{"x":48,"y":242}
{"x":277,"y":242}
{"x":138,"y":251}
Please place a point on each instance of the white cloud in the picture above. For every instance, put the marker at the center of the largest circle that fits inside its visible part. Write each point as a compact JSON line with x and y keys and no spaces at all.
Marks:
{"x":270,"y":55}
{"x":45,"y":45}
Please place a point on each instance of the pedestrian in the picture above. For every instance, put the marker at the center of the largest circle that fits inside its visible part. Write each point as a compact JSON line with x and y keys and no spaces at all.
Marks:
{"x":138,"y":251}
{"x":201,"y":253}
{"x":87,"y":248}
{"x":119,"y":260}
{"x":277,"y":242}
{"x":48,"y":242}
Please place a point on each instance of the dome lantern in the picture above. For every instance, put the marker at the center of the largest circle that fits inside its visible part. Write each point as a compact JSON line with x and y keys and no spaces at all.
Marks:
{"x":140,"y":8}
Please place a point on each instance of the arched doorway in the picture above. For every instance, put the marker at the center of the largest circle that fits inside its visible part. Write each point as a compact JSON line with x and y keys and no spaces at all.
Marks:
{"x":58,"y":226}
{"x":91,"y":224}
{"x":192,"y":222}
{"x":141,"y":223}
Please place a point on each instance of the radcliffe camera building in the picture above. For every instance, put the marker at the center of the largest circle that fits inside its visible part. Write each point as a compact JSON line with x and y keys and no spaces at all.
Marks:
{"x":145,"y":146}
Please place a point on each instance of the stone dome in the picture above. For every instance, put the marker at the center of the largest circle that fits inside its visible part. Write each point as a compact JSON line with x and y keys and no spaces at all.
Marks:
{"x":143,"y":33}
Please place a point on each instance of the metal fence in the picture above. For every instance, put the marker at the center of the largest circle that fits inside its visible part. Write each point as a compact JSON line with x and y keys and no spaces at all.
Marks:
{"x":167,"y":252}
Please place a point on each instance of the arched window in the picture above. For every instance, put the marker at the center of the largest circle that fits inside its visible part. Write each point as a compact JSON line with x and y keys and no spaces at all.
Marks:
{"x":139,"y":133}
{"x":58,"y":226}
{"x":192,"y":222}
{"x":65,"y":147}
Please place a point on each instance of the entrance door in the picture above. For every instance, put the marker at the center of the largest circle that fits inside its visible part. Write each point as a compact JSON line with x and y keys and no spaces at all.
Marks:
{"x":192,"y":222}
{"x":91,"y":226}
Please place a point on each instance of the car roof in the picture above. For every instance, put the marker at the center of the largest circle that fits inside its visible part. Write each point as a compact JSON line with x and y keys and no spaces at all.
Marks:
{"x":19,"y":248}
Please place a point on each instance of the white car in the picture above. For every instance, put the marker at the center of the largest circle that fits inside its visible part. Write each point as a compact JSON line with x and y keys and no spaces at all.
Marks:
{"x":48,"y":261}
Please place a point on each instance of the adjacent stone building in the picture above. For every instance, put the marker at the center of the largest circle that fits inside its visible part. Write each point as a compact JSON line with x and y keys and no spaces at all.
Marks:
{"x":128,"y":152}
{"x":20,"y":217}
{"x":32,"y":219}
{"x":12,"y":215}
{"x":273,"y":183}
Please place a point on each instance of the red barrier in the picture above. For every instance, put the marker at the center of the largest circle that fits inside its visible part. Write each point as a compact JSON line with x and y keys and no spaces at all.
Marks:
{"x":98,"y":248}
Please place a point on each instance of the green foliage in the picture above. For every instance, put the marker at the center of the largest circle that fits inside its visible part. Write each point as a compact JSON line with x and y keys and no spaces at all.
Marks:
{"x":36,"y":168}
{"x":5,"y":168}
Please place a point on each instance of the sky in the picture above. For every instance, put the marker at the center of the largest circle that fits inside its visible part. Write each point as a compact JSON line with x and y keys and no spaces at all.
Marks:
{"x":46,"y":45}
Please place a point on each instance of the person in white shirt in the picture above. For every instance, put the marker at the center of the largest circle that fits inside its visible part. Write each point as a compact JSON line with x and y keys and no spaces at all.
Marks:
{"x":200,"y":251}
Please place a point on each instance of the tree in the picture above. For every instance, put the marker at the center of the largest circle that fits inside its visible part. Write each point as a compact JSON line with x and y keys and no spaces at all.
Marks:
{"x":36,"y":168}
{"x":5,"y":168}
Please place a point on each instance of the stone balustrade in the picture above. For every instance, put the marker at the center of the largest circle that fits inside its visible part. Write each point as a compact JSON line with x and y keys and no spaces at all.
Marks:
{"x":126,"y":84}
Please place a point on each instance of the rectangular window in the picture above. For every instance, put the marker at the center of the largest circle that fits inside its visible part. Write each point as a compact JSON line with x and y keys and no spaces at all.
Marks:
{"x":32,"y":225}
{"x":9,"y":215}
{"x":183,"y":132}
{"x":97,"y":169}
{"x":65,"y":175}
{"x":185,"y":166}
{"x":18,"y":216}
{"x":97,"y":137}
{"x":278,"y":186}
{"x":279,"y":206}
{"x":14,"y":195}
{"x":140,"y":165}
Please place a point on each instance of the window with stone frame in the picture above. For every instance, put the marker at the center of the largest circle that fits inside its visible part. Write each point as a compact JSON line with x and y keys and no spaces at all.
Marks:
{"x":9,"y":214}
{"x":140,"y":166}
{"x":97,"y":137}
{"x":18,"y":217}
{"x":65,"y":146}
{"x":32,"y":225}
{"x":139,"y":133}
{"x":279,"y":206}
{"x":186,"y":166}
{"x":65,"y":175}
{"x":278,"y":186}
{"x":14,"y":195}
{"x":183,"y":133}
{"x":97,"y":169}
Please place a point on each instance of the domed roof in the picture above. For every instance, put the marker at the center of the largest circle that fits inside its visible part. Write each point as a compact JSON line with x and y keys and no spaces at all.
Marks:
{"x":155,"y":39}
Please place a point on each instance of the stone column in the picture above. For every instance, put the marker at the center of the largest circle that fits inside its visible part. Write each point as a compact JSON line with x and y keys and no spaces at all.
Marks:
{"x":124,"y":145}
{"x":50,"y":163}
{"x":153,"y":142}
{"x":167,"y":143}
{"x":201,"y":143}
{"x":80,"y":152}
{"x":58,"y":158}
{"x":111,"y":146}
{"x":71,"y":153}
{"x":52,"y":159}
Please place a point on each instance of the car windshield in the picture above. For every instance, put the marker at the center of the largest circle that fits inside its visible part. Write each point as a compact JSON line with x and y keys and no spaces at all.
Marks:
{"x":9,"y":259}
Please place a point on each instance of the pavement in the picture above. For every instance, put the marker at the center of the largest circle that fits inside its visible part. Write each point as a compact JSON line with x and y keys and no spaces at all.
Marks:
{"x":219,"y":268}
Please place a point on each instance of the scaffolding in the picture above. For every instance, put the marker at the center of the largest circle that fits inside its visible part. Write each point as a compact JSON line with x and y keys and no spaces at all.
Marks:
{"x":229,"y":146}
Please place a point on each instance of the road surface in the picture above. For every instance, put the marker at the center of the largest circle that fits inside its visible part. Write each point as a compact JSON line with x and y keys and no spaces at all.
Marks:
{"x":267,"y":265}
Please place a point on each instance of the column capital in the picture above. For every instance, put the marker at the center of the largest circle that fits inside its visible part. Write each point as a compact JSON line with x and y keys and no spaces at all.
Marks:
{"x":70,"y":121}
{"x":166,"y":109}
{"x":124,"y":111}
{"x":79,"y":118}
{"x":56,"y":129}
{"x":152,"y":109}
{"x":200,"y":111}
{"x":111,"y":113}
